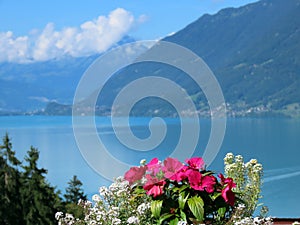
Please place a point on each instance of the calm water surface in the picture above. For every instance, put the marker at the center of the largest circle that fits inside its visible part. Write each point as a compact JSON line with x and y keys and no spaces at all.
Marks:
{"x":274,"y":142}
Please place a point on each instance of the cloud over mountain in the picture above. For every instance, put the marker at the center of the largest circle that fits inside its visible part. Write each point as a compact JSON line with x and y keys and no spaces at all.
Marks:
{"x":91,"y":37}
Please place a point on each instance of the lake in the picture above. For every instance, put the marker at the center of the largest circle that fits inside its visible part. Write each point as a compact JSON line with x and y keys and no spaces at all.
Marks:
{"x":275,"y":142}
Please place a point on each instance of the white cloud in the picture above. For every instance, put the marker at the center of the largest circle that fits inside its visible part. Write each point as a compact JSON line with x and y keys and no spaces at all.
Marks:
{"x":41,"y":99}
{"x":13,"y":49}
{"x":91,"y":37}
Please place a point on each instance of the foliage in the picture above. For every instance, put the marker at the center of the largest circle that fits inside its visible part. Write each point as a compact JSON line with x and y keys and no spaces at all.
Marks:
{"x":9,"y":184}
{"x":74,"y":193}
{"x":171,"y":192}
{"x":184,"y":192}
{"x":37,"y":195}
{"x":161,"y":193}
{"x":117,"y":204}
{"x":26,"y":196}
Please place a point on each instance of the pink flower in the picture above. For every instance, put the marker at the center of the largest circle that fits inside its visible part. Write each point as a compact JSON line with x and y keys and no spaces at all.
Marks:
{"x":199,"y":182}
{"x":181,"y":174}
{"x":154,"y":166}
{"x":154,"y":186}
{"x":135,"y":173}
{"x":227,"y":193}
{"x":227,"y":180}
{"x":195,"y":163}
{"x":208,"y":182}
{"x":171,"y":168}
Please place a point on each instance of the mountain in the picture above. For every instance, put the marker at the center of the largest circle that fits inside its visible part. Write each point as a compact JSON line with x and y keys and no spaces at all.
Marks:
{"x":27,"y":87}
{"x":30,"y":87}
{"x":253,"y":51}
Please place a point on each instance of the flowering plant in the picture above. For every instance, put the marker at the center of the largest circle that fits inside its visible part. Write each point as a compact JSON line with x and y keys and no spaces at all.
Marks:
{"x":184,"y":193}
{"x":113,"y":205}
{"x":248,"y":178}
{"x":172,"y":192}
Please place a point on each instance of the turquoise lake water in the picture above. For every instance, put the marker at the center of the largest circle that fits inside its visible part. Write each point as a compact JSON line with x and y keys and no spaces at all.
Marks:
{"x":274,"y":142}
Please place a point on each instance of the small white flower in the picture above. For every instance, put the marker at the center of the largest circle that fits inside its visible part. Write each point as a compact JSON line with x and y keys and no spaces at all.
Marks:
{"x":119,"y":179}
{"x":253,"y":161}
{"x":241,"y":206}
{"x":116,"y":221}
{"x":257,"y":168}
{"x":88,"y":204}
{"x":143,"y":180}
{"x":229,"y":157}
{"x":96,"y":198}
{"x":103,"y":191}
{"x":58,"y":215}
{"x":69,"y":218}
{"x":93,"y":222}
{"x":133,"y":220}
{"x":143,"y":162}
{"x":143,"y":207}
{"x":256,"y":220}
{"x":239,"y":158}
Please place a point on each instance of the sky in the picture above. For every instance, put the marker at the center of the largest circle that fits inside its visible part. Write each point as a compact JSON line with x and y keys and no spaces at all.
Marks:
{"x":39,"y":30}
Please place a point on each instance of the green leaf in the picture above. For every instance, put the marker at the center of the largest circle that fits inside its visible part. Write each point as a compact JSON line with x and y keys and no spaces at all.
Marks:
{"x":182,"y":215}
{"x":215,"y":196}
{"x":180,"y":189}
{"x":196,"y":206}
{"x":221,"y":212}
{"x":164,"y":217}
{"x":174,"y":221}
{"x":156,"y":208}
{"x":207,"y":173}
{"x":182,"y":199}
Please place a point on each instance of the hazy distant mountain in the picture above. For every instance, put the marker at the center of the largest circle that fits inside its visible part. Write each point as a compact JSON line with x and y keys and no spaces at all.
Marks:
{"x":25,"y":87}
{"x":253,"y":51}
{"x":30,"y":87}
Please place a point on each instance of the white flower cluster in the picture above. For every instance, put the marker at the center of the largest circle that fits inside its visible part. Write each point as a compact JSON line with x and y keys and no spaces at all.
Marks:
{"x":68,"y":219}
{"x":115,"y":205}
{"x":255,"y":220}
{"x":239,"y":219}
{"x":248,"y":179}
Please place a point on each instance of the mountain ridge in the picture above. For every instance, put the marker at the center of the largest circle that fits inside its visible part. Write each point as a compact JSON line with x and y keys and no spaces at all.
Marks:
{"x":260,"y":49}
{"x":253,"y":51}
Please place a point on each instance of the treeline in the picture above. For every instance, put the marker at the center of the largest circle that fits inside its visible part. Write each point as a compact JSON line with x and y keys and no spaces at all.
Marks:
{"x":26,"y":197}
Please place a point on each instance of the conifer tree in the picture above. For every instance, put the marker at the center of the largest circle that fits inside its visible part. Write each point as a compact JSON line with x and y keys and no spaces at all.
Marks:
{"x":10,"y":185}
{"x":40,"y":201}
{"x":74,"y":192}
{"x":26,"y":197}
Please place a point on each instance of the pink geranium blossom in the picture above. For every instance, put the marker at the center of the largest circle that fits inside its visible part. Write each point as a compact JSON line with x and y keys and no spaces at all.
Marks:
{"x":196,"y":163}
{"x":154,"y":166}
{"x":135,"y":174}
{"x":200,"y":182}
{"x":154,"y":186}
{"x":228,"y":195}
{"x":171,"y":168}
{"x":172,"y":183}
{"x":227,"y":192}
{"x":181,"y":174}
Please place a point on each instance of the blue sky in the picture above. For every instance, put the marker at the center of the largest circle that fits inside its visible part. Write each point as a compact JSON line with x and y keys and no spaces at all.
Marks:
{"x":36,"y":30}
